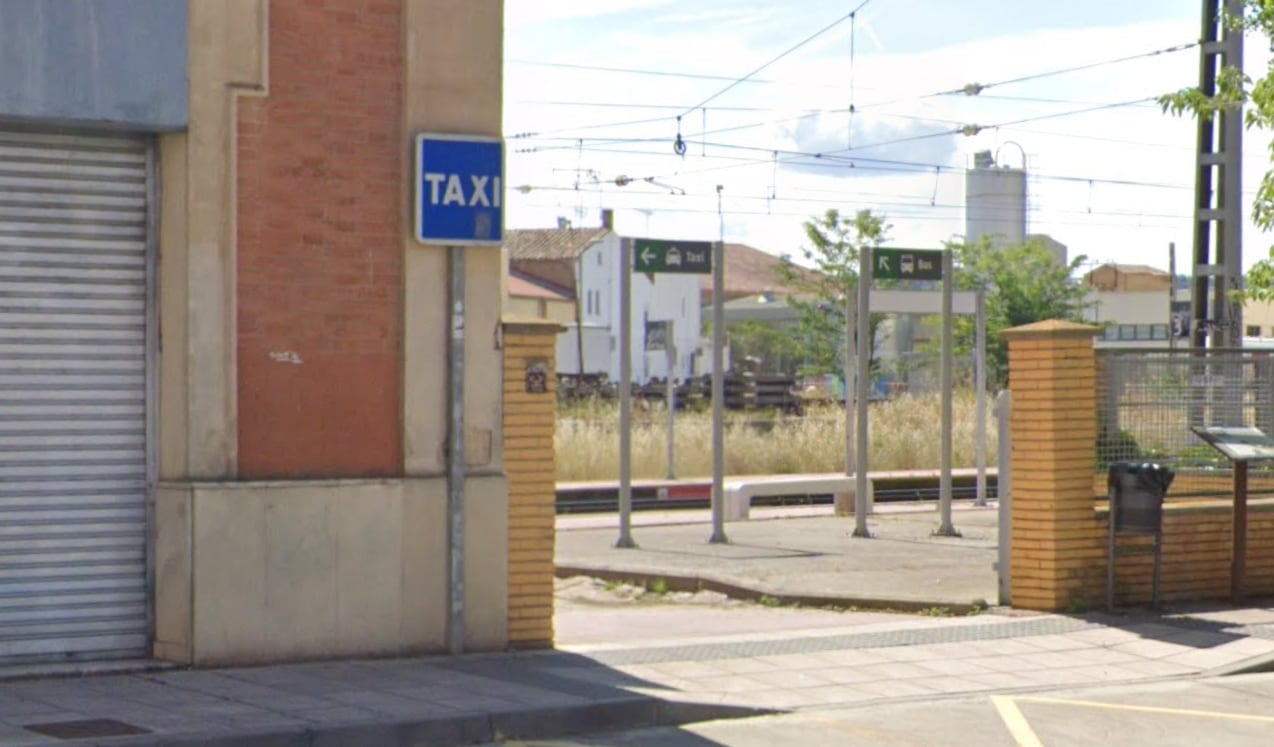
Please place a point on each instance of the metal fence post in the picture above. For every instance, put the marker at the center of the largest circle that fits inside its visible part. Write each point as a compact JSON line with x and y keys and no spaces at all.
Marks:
{"x":1263,"y":391}
{"x":979,"y":379}
{"x":1004,"y":494}
{"x":670,"y":398}
{"x":1114,"y":386}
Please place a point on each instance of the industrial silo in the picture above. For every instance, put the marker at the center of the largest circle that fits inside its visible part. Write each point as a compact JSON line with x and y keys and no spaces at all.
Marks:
{"x":994,"y":202}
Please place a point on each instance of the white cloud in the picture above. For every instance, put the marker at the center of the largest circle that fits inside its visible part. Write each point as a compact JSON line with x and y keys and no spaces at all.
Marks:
{"x":1104,"y":220}
{"x":521,"y":13}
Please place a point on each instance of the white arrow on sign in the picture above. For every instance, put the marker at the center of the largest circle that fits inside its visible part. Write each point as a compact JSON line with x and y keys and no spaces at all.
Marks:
{"x":647,"y":258}
{"x":882,"y":263}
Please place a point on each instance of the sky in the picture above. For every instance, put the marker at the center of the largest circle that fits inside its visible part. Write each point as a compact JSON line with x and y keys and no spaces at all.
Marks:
{"x":593,"y":91}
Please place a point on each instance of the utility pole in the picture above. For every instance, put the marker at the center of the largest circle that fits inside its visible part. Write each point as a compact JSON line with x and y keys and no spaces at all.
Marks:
{"x":1218,"y":230}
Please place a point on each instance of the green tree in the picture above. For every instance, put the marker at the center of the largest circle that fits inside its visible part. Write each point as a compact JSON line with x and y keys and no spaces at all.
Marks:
{"x":778,"y":349}
{"x":1233,"y":91}
{"x":835,"y":243}
{"x":1024,"y":284}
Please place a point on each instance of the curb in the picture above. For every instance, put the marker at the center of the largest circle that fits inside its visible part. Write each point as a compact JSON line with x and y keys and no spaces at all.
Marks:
{"x":1254,"y":665}
{"x":637,"y":712}
{"x":737,"y":591}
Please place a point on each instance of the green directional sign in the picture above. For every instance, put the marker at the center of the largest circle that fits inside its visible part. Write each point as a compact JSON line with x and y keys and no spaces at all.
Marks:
{"x":906,"y":264}
{"x":654,"y":255}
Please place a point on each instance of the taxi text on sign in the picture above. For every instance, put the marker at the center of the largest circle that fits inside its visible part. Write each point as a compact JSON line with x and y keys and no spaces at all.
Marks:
{"x":459,"y":190}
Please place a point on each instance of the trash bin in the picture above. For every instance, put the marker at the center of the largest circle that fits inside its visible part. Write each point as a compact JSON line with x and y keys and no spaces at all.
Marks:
{"x":1136,"y":496}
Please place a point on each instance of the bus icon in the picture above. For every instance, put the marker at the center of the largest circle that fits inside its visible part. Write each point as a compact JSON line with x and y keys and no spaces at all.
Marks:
{"x":907,"y":265}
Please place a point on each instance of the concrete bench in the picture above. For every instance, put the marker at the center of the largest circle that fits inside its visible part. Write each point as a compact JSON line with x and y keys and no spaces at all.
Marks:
{"x":738,"y":494}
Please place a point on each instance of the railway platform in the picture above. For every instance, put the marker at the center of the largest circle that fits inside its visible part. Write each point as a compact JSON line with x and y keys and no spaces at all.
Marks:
{"x":799,"y":555}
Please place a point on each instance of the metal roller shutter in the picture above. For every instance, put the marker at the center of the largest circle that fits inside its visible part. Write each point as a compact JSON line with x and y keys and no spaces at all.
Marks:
{"x":73,"y":396}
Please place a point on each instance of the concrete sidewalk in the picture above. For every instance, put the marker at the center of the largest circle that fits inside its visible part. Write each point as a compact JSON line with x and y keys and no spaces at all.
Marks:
{"x":808,"y":556}
{"x":799,"y":555}
{"x":914,"y":657}
{"x":626,"y":664}
{"x":785,"y":662}
{"x":437,"y":701}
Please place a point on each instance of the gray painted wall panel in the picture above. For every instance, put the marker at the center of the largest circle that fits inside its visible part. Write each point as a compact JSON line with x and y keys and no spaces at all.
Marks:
{"x":120,"y":62}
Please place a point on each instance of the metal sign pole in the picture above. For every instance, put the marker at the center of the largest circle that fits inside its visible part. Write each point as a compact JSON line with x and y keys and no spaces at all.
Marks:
{"x":1238,"y":558}
{"x":625,"y":395}
{"x":863,"y":349}
{"x":455,"y":448}
{"x":851,"y":353}
{"x":945,"y":527}
{"x":670,"y":397}
{"x":718,"y":393}
{"x":1004,"y":493}
{"x":979,"y":383}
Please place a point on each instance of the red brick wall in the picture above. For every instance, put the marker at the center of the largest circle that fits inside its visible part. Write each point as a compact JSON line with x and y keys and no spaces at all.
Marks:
{"x":320,"y":245}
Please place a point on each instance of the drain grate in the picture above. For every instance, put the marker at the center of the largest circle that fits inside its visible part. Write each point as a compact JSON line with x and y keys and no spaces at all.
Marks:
{"x":93,"y":728}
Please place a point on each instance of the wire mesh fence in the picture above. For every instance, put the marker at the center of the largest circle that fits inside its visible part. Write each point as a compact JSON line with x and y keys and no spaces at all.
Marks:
{"x":1148,"y":401}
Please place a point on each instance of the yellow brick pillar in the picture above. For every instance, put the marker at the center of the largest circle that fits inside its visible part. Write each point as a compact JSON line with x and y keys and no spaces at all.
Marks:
{"x":530,"y":408}
{"x":1057,"y":555}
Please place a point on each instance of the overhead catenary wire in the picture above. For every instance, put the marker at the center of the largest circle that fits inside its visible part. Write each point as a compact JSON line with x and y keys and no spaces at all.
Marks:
{"x":778,"y":57}
{"x":819,"y":112}
{"x":1100,"y":138}
{"x":1100,"y":107}
{"x":976,"y":89}
{"x":972,"y":89}
{"x":855,"y":158}
{"x":968,"y":130}
{"x":1095,"y":106}
{"x":1139,"y":217}
{"x":569,"y":142}
{"x":631,"y":70}
{"x":849,"y":155}
{"x":857,"y":162}
{"x":853,"y":35}
{"x":737,"y":108}
{"x":901,"y":167}
{"x":922,"y":204}
{"x":973,"y":129}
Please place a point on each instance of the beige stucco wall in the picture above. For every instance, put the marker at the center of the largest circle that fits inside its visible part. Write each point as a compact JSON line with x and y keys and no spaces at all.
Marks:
{"x":562,"y":312}
{"x":197,"y":406}
{"x":453,"y":84}
{"x":255,"y":572}
{"x":528,"y":308}
{"x":1128,"y":307}
{"x":261,"y":572}
{"x":1260,"y":314}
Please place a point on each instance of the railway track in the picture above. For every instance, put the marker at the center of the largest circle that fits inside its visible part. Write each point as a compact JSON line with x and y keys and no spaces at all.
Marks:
{"x":607,"y":501}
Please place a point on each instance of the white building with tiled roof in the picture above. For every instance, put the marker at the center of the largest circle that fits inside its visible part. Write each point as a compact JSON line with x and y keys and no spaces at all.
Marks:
{"x":583,"y":264}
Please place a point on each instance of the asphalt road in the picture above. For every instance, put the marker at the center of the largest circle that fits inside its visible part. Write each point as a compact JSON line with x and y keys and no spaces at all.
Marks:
{"x":1235,"y":711}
